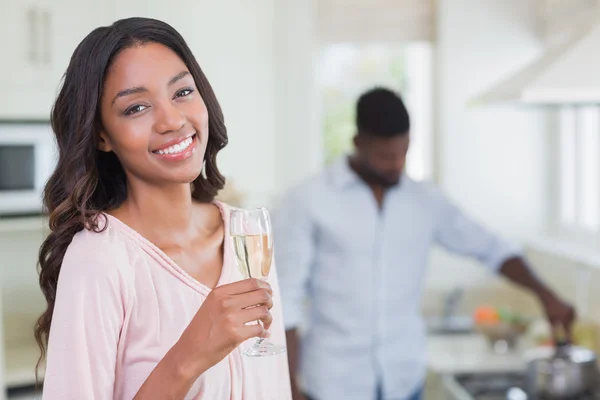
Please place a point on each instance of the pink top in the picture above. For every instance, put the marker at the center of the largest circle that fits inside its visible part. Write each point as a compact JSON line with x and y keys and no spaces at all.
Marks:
{"x":122,"y":303}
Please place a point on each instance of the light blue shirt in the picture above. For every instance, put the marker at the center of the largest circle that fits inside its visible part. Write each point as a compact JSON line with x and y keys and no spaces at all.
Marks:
{"x":362,"y":271}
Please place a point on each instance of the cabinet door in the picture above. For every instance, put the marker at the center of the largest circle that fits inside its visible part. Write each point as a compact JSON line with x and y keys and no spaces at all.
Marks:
{"x":38,"y":39}
{"x":22,"y":71}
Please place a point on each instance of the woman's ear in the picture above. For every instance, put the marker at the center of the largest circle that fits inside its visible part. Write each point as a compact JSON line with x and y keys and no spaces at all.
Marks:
{"x":104,"y":142}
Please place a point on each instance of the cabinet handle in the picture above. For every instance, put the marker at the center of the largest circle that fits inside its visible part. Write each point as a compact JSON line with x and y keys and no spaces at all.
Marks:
{"x":47,"y":23}
{"x":33,"y":35}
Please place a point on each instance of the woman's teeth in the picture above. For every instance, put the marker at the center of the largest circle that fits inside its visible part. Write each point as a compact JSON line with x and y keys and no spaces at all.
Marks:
{"x":177,"y":148}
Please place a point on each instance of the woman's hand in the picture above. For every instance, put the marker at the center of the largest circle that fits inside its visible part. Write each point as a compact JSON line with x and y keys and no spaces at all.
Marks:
{"x":219,"y":326}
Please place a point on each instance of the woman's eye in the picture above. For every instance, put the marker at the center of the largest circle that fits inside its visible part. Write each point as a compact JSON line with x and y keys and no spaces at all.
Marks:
{"x":184,"y":92}
{"x":135,"y":109}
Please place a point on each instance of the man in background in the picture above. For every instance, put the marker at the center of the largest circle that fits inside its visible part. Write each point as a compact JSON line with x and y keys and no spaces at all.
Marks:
{"x":354,"y":241}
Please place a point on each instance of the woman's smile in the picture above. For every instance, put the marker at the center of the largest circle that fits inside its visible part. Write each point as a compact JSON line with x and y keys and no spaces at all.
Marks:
{"x":178,"y":149}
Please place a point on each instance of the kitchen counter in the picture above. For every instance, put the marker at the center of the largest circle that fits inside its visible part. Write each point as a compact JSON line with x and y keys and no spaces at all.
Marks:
{"x":449,"y":354}
{"x":12,"y":225}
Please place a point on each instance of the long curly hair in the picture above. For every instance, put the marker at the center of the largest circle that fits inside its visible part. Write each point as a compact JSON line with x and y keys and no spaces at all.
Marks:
{"x":86,"y":181}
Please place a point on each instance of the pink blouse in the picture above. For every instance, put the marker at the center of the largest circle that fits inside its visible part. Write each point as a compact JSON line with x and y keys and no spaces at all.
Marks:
{"x":122,"y":303}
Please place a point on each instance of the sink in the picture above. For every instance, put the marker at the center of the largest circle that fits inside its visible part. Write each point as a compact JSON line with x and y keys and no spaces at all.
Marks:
{"x":454,"y":325}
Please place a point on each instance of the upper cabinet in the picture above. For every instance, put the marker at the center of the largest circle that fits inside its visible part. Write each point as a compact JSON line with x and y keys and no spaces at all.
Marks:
{"x":37,"y":39}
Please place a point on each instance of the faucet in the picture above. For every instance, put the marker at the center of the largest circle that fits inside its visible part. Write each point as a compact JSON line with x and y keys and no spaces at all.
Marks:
{"x":451,"y":302}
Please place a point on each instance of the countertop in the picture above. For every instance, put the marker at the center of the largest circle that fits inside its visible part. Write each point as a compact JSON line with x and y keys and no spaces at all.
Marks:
{"x":463,"y":353}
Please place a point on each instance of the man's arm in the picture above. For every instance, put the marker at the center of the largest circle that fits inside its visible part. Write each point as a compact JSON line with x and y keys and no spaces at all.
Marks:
{"x":558,"y":312}
{"x":294,"y":252}
{"x":461,"y":235}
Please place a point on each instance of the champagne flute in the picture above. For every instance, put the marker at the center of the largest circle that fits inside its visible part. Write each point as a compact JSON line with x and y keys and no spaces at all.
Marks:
{"x":250,"y":230}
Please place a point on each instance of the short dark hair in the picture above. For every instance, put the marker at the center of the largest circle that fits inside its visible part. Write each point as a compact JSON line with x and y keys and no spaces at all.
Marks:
{"x":381,"y":112}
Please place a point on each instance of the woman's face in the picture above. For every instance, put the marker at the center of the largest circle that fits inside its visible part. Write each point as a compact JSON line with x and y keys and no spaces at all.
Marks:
{"x":153,"y":116}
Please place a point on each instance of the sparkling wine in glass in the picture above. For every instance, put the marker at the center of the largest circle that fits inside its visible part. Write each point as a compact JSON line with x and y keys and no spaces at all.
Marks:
{"x":250,"y":231}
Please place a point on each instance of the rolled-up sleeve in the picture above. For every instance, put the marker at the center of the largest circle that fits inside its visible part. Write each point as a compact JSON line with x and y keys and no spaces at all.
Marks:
{"x":460,"y":234}
{"x":293,"y":235}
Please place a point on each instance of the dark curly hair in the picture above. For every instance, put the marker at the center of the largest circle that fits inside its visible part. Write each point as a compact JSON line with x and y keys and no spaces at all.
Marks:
{"x":381,"y":112}
{"x":86,"y":181}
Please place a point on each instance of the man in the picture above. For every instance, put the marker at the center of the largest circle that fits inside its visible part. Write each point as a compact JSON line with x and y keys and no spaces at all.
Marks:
{"x":354,"y":242}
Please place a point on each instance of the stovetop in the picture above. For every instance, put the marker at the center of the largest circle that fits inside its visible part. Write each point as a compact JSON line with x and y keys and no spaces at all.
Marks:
{"x":503,"y":386}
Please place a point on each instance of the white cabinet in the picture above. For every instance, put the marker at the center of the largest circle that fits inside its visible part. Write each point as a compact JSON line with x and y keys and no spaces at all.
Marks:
{"x":23,"y":71}
{"x":37,"y":38}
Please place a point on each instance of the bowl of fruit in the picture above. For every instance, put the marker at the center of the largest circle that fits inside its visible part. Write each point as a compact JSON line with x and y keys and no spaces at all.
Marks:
{"x":501,"y":326}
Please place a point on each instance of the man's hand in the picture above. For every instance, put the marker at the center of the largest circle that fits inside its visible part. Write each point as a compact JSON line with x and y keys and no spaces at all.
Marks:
{"x":560,"y":315}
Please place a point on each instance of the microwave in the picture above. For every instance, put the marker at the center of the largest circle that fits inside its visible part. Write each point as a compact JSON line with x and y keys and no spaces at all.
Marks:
{"x":28,"y":156}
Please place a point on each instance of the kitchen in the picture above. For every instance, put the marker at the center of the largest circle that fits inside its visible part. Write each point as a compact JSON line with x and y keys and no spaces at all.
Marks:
{"x":484,"y":106}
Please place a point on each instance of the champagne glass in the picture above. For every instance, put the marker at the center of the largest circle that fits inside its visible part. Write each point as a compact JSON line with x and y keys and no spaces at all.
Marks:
{"x":250,"y":230}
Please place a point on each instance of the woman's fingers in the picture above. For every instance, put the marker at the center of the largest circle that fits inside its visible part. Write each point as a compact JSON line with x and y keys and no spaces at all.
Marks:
{"x":257,"y":297}
{"x":244,"y":286}
{"x":252,"y":331}
{"x":258,"y":313}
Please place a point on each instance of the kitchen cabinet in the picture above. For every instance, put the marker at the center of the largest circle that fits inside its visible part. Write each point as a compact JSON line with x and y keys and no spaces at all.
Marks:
{"x":21,"y":298}
{"x":23,"y":72}
{"x":38,"y":38}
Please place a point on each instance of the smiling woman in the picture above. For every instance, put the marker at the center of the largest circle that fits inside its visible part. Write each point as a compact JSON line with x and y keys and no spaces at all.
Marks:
{"x":144,"y":300}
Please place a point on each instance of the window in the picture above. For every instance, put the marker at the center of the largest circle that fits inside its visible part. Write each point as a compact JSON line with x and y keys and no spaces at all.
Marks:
{"x":346,"y":70}
{"x":578,"y":177}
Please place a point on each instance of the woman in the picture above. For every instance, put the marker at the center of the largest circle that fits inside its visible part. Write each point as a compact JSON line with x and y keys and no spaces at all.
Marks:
{"x":143,"y":297}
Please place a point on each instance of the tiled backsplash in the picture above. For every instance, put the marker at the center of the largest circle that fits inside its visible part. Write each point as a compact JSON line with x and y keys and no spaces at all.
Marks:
{"x":567,"y":277}
{"x":496,"y":292}
{"x":576,"y":281}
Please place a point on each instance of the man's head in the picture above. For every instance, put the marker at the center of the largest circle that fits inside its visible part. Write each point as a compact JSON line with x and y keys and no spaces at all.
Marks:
{"x":382,"y":136}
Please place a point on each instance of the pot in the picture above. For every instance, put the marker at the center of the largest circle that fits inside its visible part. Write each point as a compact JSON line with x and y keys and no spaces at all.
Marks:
{"x":561,"y":373}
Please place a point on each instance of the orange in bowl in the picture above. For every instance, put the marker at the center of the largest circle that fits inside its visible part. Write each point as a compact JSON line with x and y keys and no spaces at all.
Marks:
{"x":486,"y":315}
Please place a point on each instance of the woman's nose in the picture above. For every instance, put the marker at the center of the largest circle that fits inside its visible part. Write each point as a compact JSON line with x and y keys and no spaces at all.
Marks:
{"x":169,"y":118}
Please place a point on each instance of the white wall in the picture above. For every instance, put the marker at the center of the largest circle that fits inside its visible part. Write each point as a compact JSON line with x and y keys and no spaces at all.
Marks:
{"x":491,"y":159}
{"x":298,"y":137}
{"x":237,"y":54}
